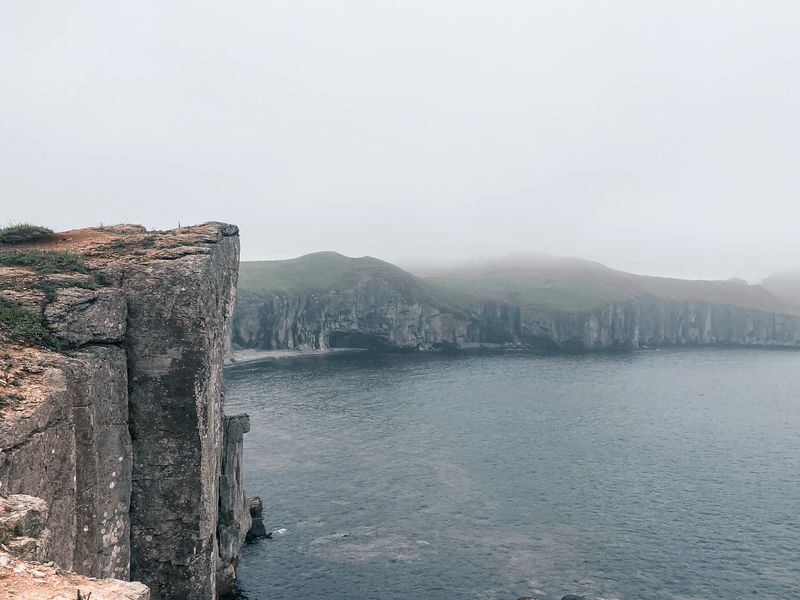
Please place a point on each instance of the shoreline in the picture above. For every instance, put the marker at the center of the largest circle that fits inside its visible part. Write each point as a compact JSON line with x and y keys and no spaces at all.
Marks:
{"x":249,"y":356}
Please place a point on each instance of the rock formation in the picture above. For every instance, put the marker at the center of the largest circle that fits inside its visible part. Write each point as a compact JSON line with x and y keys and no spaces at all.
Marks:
{"x":375,"y":305}
{"x":234,"y":520}
{"x":257,"y":528}
{"x":122,"y":436}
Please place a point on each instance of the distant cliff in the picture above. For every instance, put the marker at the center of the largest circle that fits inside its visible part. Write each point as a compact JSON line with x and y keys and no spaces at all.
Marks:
{"x":328,"y":300}
{"x":111,"y":407}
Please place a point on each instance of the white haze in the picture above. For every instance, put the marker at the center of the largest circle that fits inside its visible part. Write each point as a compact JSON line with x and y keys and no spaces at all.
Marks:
{"x":656,"y":136}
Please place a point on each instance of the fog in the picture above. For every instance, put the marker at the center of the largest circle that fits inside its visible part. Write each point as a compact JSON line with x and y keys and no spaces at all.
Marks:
{"x":659,"y":137}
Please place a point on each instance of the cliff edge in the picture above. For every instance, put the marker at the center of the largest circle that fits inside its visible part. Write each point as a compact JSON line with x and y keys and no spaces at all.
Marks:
{"x":326,"y":300}
{"x":111,"y":348}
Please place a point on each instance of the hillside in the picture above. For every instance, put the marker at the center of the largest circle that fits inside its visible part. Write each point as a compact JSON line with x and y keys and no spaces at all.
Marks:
{"x":574,"y":284}
{"x":330,"y":272}
{"x":540,"y":281}
{"x":327,"y":300}
{"x":785,"y":286}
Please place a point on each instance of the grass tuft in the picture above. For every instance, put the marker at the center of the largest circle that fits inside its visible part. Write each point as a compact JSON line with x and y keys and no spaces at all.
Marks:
{"x":45,"y":261}
{"x":23,"y":232}
{"x":26,"y":325}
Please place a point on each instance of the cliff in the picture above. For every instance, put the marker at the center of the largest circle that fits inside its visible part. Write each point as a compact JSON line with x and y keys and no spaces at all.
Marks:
{"x":326,"y":301}
{"x":111,"y":413}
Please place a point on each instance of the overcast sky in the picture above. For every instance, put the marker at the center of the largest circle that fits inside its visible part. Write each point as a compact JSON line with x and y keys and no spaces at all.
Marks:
{"x":659,"y":137}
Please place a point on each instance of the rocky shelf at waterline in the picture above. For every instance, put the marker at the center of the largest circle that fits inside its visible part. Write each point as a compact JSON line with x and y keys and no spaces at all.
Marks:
{"x":247,"y":356}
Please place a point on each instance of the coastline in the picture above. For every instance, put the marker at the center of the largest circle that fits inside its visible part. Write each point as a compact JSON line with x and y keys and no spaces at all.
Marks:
{"x":247,"y":356}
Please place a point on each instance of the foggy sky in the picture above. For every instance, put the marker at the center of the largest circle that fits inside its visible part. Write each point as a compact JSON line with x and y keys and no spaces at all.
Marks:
{"x":659,"y":137}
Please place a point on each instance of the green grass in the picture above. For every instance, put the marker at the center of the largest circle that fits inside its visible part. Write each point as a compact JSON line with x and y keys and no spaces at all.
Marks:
{"x":45,"y":261}
{"x":23,"y":232}
{"x":546,"y":293}
{"x":320,"y":272}
{"x":326,"y":272}
{"x":25,"y":324}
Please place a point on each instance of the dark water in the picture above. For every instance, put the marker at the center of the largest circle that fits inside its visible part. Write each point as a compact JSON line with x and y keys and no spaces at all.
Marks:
{"x":661,"y":474}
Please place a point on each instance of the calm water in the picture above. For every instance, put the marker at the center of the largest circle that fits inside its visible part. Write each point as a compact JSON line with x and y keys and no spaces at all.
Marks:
{"x":660,"y":474}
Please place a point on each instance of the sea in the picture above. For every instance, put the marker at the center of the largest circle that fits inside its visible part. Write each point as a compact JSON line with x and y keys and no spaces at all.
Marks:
{"x":668,"y":474}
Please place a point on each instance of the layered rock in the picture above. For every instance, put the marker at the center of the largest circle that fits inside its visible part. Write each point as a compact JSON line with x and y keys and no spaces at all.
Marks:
{"x":69,"y":445}
{"x":373,"y":314}
{"x":122,"y":438}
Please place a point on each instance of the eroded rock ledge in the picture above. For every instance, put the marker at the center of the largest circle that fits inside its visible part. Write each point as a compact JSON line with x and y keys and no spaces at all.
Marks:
{"x":121,"y":437}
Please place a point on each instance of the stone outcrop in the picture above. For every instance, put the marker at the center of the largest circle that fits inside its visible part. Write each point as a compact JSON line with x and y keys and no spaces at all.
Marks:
{"x":122,"y":438}
{"x":177,"y":307}
{"x":257,"y":528}
{"x":23,"y":526}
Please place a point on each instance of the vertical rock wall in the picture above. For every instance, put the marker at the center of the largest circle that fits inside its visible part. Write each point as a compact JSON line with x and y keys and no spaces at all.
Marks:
{"x":102,"y":465}
{"x":67,"y":452}
{"x":122,"y":439}
{"x":234,"y":513}
{"x":389,"y":321}
{"x":176,"y":336}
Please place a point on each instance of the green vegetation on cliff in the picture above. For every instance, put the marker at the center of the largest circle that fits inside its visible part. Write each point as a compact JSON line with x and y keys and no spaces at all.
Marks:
{"x":326,"y":272}
{"x":25,"y":324}
{"x":23,"y":232}
{"x":541,"y":282}
{"x":44,"y":261}
{"x":313,"y":273}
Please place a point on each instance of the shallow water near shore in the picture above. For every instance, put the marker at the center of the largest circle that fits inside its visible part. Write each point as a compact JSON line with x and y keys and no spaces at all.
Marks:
{"x":671,"y":474}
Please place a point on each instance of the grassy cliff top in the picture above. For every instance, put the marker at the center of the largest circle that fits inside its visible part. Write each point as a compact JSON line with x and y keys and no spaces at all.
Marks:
{"x":330,"y":272}
{"x":313,"y":273}
{"x":549,"y":283}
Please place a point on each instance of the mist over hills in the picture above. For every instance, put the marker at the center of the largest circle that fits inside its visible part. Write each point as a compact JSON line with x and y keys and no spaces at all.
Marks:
{"x":784,"y":286}
{"x":541,"y":280}
{"x":328,"y":300}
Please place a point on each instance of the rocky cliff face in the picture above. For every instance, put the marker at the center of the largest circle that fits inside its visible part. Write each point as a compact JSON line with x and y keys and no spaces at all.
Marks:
{"x":370,"y":315}
{"x":122,"y":437}
{"x":373,"y":315}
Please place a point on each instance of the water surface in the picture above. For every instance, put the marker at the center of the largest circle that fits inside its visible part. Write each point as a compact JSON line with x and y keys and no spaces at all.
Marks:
{"x":660,"y":474}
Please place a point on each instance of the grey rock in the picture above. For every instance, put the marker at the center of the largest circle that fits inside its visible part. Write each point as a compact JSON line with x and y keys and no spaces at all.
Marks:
{"x":66,"y":451}
{"x":234,"y":519}
{"x":102,"y":464}
{"x":25,"y":518}
{"x":175,"y":340}
{"x":124,"y":440}
{"x":78,"y":316}
{"x":373,"y":314}
{"x":257,"y":529}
